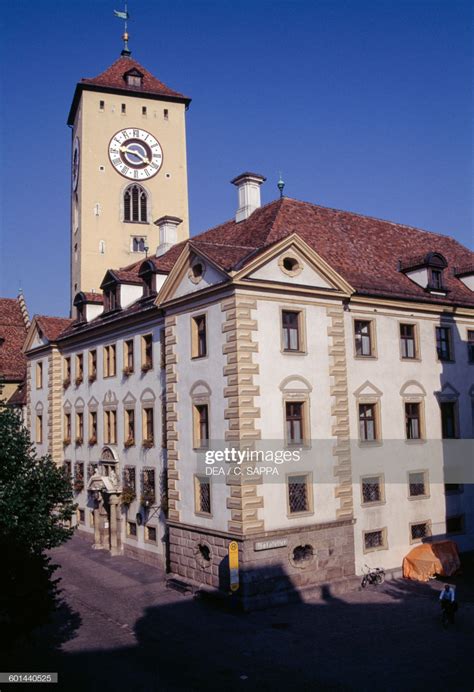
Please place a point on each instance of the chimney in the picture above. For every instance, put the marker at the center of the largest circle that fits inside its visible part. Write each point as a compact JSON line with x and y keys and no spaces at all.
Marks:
{"x":248,"y":185}
{"x":168,"y":226}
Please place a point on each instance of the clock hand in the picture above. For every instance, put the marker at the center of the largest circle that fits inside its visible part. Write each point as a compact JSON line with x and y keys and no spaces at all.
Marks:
{"x":127,"y":150}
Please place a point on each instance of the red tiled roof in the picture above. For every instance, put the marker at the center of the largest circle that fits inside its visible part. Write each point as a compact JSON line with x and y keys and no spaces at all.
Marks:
{"x":127,"y":277}
{"x":113,"y":79}
{"x":18,"y":398}
{"x":140,"y":306}
{"x":93,"y":297}
{"x":12,"y":336}
{"x":363,"y":250}
{"x":52,"y":326}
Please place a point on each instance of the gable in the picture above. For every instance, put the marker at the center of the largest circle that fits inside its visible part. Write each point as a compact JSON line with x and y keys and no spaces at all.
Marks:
{"x":191,"y":273}
{"x":188,"y":284}
{"x":294,"y":263}
{"x":304,"y":273}
{"x":35,"y":337}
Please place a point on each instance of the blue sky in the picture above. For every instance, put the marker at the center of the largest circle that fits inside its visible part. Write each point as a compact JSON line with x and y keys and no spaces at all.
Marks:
{"x":363,"y":105}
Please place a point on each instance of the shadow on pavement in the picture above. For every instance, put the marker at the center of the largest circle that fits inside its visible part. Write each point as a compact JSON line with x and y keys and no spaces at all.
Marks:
{"x":387,"y":637}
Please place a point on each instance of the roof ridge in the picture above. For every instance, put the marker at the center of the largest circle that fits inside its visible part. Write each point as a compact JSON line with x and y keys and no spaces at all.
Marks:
{"x":375,"y":218}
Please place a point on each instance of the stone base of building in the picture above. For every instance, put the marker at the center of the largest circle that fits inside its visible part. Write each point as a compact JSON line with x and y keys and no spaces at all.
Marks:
{"x":145,"y":556}
{"x":136,"y":553}
{"x":274,"y":566}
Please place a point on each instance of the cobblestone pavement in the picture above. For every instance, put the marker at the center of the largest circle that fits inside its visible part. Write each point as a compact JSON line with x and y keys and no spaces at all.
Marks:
{"x":122,"y":629}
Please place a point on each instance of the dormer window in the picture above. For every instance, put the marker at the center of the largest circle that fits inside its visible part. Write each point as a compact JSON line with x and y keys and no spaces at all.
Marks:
{"x":465,"y":275}
{"x":426,"y":271}
{"x":134,"y":78}
{"x":81,"y":316}
{"x":148,"y":276}
{"x":436,"y":279}
{"x":110,"y":299}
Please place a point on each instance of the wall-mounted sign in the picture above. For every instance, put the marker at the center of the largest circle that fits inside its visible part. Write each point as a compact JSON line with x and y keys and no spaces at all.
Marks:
{"x":269,"y":545}
{"x":234,"y":565}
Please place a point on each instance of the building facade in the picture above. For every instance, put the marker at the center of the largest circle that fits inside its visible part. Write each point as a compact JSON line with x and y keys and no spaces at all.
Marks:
{"x":297,"y":380}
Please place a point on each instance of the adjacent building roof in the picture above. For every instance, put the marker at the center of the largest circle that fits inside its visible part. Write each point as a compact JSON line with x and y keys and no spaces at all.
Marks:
{"x":52,"y":326}
{"x":12,"y":336}
{"x":113,"y":79}
{"x":18,"y":398}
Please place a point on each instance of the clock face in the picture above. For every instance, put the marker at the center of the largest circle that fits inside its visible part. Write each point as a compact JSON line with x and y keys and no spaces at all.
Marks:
{"x":135,"y":154}
{"x":75,"y":163}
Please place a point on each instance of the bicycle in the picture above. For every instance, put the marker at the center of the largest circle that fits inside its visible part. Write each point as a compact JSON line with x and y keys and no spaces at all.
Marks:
{"x":373,"y":575}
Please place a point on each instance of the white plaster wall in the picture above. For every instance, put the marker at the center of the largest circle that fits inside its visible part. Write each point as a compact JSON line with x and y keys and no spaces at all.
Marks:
{"x":129,"y":294}
{"x":211,"y":278}
{"x":121,"y":387}
{"x":274,"y":367}
{"x":308,"y":277}
{"x":419,"y":276}
{"x":210,"y":371}
{"x":468,"y":281}
{"x":93,"y":310}
{"x":39,"y":396}
{"x":395,"y":457}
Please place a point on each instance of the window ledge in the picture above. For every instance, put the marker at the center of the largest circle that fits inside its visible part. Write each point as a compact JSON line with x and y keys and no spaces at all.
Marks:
{"x":367,"y":444}
{"x":414,"y":498}
{"x":378,"y":503}
{"x":297,"y":515}
{"x":286,"y":352}
{"x":365,"y":357}
{"x":204,"y":515}
{"x":374,"y":550}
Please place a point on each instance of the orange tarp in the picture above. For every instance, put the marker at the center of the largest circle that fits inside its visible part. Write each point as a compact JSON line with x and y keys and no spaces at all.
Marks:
{"x":427,"y":560}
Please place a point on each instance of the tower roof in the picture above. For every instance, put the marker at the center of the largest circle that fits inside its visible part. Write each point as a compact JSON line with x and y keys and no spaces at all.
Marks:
{"x":114,"y":80}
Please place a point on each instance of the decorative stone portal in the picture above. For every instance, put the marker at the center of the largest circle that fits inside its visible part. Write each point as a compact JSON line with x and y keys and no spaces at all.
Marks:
{"x":105,"y":489}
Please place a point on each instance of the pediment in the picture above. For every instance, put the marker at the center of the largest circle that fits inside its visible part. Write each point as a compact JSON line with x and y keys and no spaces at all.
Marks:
{"x":447,"y":392}
{"x":368,"y":390}
{"x":34,"y":338}
{"x":192,"y":272}
{"x":129,"y":399}
{"x":110,"y":399}
{"x":412,"y":388}
{"x":293,"y":262}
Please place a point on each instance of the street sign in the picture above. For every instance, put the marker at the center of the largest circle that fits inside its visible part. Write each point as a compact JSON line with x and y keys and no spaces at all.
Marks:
{"x":234,"y":565}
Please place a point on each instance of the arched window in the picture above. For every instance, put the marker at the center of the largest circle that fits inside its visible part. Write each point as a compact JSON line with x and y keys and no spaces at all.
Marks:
{"x":135,"y":204}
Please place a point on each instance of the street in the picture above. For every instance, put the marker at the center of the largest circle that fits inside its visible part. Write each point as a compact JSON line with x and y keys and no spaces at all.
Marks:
{"x":120,"y":628}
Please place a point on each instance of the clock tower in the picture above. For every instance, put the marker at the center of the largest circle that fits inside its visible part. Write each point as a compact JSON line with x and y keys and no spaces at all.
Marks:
{"x":128,"y":169}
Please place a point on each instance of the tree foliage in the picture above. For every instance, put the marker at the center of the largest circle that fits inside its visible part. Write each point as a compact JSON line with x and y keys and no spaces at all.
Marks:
{"x":36,"y":504}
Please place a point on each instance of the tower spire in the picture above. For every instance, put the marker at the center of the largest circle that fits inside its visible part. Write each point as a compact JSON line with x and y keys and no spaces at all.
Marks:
{"x":123,"y":14}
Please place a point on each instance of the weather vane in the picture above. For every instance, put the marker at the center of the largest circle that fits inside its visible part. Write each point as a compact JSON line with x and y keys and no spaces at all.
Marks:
{"x":123,"y":14}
